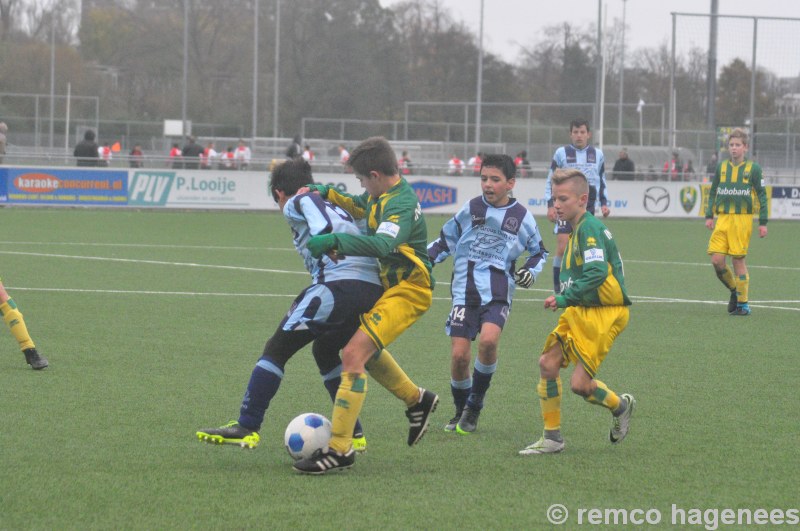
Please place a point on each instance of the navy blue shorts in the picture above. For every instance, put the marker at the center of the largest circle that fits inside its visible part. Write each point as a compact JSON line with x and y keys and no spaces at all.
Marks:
{"x":324,"y":307}
{"x":466,"y":321}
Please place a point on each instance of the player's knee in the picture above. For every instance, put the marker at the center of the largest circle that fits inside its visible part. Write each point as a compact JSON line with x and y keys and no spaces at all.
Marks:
{"x":460,"y":359}
{"x":580,"y":388}
{"x":549,"y":365}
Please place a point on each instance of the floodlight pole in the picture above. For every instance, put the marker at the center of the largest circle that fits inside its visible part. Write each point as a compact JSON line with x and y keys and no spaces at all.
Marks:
{"x":276,"y":81}
{"x":621,"y":76}
{"x":185,"y":66}
{"x":479,"y":95}
{"x":52,"y":72}
{"x":255,"y":69}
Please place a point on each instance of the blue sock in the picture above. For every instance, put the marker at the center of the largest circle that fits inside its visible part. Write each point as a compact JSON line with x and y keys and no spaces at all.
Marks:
{"x":264,"y":383}
{"x":481,"y":378}
{"x":557,"y":274}
{"x":460,"y":389}
{"x":331,"y":382}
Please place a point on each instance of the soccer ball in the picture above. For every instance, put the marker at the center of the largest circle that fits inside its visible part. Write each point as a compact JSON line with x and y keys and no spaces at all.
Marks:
{"x":306,"y":434}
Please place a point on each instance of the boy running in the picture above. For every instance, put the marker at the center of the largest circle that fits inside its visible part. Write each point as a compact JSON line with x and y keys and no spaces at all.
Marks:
{"x":485,"y":239}
{"x":596,"y":312}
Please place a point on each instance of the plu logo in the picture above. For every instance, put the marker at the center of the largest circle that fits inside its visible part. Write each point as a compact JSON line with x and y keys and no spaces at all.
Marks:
{"x":433,"y":195}
{"x":150,"y":188}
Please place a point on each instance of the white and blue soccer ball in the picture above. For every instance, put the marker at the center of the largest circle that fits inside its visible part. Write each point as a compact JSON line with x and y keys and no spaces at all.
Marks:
{"x":306,"y":434}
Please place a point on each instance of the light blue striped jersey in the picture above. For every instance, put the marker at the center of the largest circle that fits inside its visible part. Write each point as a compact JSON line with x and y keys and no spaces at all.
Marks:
{"x":309,"y":215}
{"x":591,"y":162}
{"x":485,"y":242}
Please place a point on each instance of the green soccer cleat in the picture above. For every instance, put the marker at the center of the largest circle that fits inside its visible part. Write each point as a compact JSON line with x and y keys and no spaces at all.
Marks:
{"x":230,"y":433}
{"x":452,"y":423}
{"x":620,"y":424}
{"x":468,"y":422}
{"x":360,"y":444}
{"x":543,"y":446}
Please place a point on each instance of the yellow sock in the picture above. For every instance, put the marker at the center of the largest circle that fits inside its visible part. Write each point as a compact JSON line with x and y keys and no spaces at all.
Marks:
{"x":726,"y":277}
{"x":742,"y":288}
{"x":346,"y":408}
{"x":603,"y":396}
{"x":13,"y":318}
{"x":389,"y":374}
{"x":550,"y":399}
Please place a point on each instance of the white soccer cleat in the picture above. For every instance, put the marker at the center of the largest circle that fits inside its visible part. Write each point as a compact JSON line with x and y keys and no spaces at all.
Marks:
{"x":543,"y":446}
{"x":620,"y":425}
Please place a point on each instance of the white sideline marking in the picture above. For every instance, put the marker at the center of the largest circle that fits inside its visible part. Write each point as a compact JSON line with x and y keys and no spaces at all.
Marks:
{"x":155,"y":262}
{"x":153,"y":245}
{"x":291,"y":249}
{"x":760,"y":304}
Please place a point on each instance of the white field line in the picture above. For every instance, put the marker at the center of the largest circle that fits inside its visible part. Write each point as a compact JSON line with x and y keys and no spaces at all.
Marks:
{"x":291,"y":249}
{"x":641,"y":299}
{"x":760,"y":304}
{"x":155,"y":262}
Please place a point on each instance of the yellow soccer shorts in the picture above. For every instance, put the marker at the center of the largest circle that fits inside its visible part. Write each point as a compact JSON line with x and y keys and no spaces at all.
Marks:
{"x":586,"y":334}
{"x":731,"y":235}
{"x":398,"y":308}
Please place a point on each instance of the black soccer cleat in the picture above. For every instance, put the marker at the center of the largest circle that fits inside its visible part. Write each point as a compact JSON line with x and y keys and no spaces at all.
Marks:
{"x":733,"y":302}
{"x":324,"y":460}
{"x":34,"y":359}
{"x":419,"y":415}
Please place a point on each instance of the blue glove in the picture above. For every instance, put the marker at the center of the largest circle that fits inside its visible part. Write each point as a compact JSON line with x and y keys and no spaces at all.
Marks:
{"x":523,"y":277}
{"x":321,"y":244}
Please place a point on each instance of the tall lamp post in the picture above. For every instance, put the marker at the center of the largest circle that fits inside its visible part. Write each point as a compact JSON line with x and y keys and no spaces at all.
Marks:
{"x":479,"y":95}
{"x":255,"y":70}
{"x":185,"y":67}
{"x":621,"y":76}
{"x":276,"y":85}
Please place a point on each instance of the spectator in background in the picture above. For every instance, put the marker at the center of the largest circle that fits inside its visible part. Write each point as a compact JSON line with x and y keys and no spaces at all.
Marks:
{"x":344,"y":156}
{"x":673,"y":167}
{"x":523,"y":164}
{"x":175,"y":157}
{"x":227,"y":159}
{"x":136,"y":157}
{"x":711,"y":168}
{"x":455,"y":166}
{"x":3,"y":131}
{"x":404,"y":164}
{"x":104,"y":155}
{"x":475,"y":163}
{"x":308,"y":155}
{"x":191,"y":154}
{"x":86,"y":150}
{"x":688,"y":171}
{"x":294,"y":150}
{"x":242,"y":155}
{"x":209,"y":157}
{"x":624,"y":167}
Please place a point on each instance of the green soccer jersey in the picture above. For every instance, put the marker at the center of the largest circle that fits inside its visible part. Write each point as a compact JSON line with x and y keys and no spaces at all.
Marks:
{"x":591,"y":271}
{"x":733,"y":188}
{"x":396,"y":233}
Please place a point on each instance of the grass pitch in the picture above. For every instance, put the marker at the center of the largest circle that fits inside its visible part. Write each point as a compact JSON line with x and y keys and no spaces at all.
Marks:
{"x":152,"y":322}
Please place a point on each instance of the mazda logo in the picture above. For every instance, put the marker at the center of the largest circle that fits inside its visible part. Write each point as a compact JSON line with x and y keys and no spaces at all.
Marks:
{"x":656,"y":199}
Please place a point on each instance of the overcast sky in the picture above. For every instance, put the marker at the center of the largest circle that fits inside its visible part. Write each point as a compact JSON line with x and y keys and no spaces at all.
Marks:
{"x":511,"y":23}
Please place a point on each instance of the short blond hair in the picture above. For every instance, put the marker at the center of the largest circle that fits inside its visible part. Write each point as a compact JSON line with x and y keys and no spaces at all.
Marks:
{"x":581,"y":185}
{"x":740,"y":134}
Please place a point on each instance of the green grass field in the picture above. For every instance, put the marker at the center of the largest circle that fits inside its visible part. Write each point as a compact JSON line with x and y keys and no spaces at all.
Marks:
{"x":152,"y":322}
